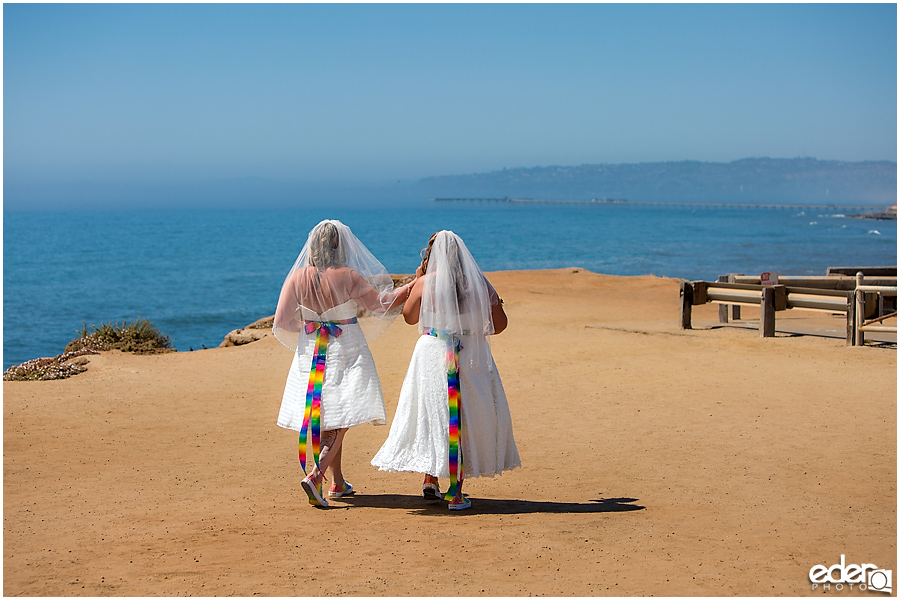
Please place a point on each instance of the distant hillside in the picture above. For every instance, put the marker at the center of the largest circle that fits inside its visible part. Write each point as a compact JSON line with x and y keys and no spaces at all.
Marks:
{"x":767,"y":180}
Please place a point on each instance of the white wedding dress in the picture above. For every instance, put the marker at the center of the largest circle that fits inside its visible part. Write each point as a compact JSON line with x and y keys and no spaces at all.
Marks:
{"x":419,"y":441}
{"x":351,"y":391}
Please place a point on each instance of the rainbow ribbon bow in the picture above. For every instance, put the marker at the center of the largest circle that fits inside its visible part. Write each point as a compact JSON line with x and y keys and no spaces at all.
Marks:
{"x":453,"y":397}
{"x":312,"y":413}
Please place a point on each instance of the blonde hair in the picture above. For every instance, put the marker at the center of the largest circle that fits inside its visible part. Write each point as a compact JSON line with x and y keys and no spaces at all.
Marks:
{"x":325,"y":249}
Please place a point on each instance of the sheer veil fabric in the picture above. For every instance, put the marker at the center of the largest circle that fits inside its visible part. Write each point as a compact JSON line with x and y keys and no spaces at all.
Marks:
{"x":456,"y":298}
{"x":335,"y":278}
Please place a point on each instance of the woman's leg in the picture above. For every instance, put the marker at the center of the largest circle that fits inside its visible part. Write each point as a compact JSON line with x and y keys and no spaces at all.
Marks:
{"x":330,"y":455}
{"x":459,"y":495}
{"x":337,"y":475}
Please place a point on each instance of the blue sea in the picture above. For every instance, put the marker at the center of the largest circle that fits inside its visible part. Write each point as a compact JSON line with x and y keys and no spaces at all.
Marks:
{"x":198,"y":274}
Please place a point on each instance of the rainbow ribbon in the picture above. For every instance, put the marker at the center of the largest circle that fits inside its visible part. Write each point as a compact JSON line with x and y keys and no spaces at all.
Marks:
{"x":312,"y":413}
{"x":453,"y":396}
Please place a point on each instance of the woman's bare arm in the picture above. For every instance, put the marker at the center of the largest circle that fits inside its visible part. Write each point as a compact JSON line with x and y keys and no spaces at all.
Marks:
{"x":498,"y":315}
{"x":414,"y":302}
{"x":287,"y":305}
{"x":368,"y":296}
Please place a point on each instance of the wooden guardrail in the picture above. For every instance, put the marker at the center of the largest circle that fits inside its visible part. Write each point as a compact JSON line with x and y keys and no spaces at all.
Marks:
{"x":876,"y":304}
{"x":867,"y":271}
{"x":861,"y":324}
{"x":828,"y":282}
{"x":856,"y":297}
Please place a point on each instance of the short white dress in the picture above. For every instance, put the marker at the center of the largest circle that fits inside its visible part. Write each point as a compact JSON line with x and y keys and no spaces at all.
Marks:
{"x":418,"y":441}
{"x":351,"y":391}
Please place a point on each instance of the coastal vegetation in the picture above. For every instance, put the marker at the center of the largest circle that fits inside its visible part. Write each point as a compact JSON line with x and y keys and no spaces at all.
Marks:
{"x":60,"y":366}
{"x":139,"y":336}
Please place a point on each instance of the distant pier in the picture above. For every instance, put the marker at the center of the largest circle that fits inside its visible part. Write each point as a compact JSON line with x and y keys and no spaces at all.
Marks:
{"x":534,"y":201}
{"x":622,"y":201}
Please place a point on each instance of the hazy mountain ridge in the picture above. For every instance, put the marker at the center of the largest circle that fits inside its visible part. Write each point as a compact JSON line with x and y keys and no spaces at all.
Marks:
{"x":751,"y":180}
{"x":796,"y":180}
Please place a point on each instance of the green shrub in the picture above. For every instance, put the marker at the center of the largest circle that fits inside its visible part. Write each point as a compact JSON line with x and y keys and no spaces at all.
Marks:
{"x":138,"y":336}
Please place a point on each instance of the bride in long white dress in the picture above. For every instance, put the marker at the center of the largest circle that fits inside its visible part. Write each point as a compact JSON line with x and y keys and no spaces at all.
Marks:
{"x":452,"y":417}
{"x":332,"y":384}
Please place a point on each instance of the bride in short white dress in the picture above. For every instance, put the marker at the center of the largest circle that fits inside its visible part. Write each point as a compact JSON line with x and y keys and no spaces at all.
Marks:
{"x":351,"y":391}
{"x":332,"y":383}
{"x":453,"y":303}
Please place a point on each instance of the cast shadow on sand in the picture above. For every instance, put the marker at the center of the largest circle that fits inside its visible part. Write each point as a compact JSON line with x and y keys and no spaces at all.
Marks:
{"x":488,"y":506}
{"x":830,"y":334}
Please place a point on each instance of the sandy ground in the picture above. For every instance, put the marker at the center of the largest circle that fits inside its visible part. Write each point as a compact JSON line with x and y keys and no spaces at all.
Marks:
{"x":656,"y":461}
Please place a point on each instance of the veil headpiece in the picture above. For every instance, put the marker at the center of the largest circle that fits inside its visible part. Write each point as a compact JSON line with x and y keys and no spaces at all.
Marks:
{"x":456,"y":299}
{"x":333,"y":269}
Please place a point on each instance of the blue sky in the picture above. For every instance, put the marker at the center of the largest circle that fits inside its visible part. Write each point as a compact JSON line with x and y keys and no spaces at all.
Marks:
{"x":123,"y":93}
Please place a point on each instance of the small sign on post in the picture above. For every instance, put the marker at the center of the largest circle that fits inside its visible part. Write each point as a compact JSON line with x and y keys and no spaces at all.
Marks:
{"x":769,"y":278}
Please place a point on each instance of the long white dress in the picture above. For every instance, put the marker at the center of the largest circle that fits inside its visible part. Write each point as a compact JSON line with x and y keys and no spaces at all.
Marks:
{"x":418,"y":440}
{"x":351,"y":391}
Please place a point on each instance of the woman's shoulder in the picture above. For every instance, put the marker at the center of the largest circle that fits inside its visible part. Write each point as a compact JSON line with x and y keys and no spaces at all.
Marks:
{"x":303,"y":272}
{"x":340,"y":270}
{"x":345,"y":278}
{"x":345,"y":274}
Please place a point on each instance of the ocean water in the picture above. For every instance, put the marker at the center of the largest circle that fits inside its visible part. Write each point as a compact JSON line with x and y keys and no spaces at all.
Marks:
{"x":198,"y":274}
